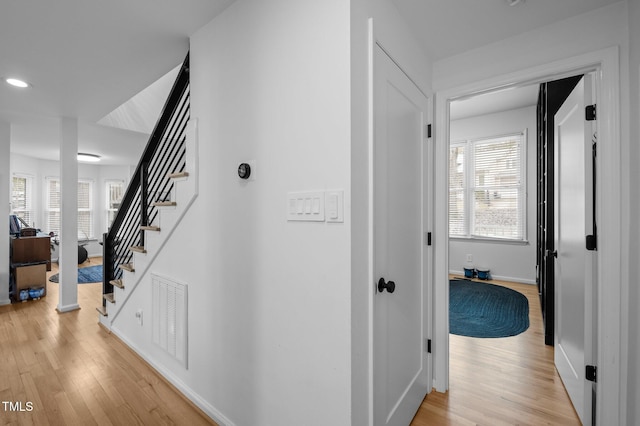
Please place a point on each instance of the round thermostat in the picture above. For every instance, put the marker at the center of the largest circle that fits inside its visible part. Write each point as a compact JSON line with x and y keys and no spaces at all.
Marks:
{"x":244,"y":171}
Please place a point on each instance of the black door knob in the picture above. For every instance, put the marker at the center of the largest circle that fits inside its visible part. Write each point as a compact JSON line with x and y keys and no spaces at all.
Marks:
{"x":390,"y":286}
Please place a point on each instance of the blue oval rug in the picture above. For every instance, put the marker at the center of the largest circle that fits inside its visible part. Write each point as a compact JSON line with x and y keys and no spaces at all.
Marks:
{"x":90,"y":274}
{"x":486,"y":310}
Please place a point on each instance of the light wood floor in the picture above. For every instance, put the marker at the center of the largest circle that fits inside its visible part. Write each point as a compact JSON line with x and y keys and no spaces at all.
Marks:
{"x":507,"y":381}
{"x":75,"y":373}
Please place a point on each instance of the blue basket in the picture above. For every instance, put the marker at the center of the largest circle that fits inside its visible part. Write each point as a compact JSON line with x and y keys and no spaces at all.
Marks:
{"x":484,"y":274}
{"x":469,"y":272}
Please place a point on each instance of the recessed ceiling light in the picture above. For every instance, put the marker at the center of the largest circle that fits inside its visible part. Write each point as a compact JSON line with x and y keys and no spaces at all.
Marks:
{"x":90,"y":158}
{"x":514,"y":2}
{"x":17,"y":82}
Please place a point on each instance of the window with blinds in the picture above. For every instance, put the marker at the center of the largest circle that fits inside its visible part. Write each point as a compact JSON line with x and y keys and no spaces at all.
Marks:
{"x":115,"y":192}
{"x":85,"y":207}
{"x":457,"y":192}
{"x":21,"y":198}
{"x":85,"y":210}
{"x":52,"y":210}
{"x":487,"y":188}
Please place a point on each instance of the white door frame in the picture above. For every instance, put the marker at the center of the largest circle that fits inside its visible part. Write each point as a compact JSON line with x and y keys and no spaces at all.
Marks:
{"x":605,"y":62}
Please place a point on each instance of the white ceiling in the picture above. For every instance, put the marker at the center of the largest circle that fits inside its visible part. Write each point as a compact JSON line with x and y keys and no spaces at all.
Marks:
{"x":498,"y":101}
{"x":141,"y":112}
{"x":448,"y":27}
{"x":86,"y":58}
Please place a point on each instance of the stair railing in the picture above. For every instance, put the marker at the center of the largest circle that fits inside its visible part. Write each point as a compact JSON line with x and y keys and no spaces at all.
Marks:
{"x":164,"y":154}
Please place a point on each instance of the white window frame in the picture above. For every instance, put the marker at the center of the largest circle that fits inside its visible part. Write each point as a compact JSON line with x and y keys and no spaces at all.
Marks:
{"x":28,"y":198}
{"x":49,"y":209}
{"x":90,"y":235}
{"x":469,"y":188}
{"x":108,"y":209}
{"x":47,"y":205}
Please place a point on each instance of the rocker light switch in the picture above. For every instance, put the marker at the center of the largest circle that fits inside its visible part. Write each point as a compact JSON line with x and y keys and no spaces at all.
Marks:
{"x":332,"y":206}
{"x":309,"y":206}
{"x":335,"y":206}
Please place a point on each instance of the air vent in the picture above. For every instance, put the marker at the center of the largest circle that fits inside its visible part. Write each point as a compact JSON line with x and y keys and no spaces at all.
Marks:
{"x":169,"y":311}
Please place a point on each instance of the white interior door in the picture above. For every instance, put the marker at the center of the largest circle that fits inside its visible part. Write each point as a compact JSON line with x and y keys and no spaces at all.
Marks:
{"x":574,"y":277}
{"x":401,"y":363}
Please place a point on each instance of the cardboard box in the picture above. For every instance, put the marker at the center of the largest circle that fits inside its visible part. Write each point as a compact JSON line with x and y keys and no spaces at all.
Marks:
{"x":30,"y":276}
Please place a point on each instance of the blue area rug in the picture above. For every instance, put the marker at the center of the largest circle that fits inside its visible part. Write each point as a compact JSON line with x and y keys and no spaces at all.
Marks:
{"x":486,"y":310}
{"x":90,"y":274}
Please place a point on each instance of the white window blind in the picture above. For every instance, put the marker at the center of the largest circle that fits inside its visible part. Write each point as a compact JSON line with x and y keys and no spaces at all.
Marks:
{"x":85,"y":210}
{"x":457,"y":191}
{"x":487,"y":188}
{"x":85,"y":207}
{"x":114,"y":192}
{"x":52,"y":210}
{"x":21,"y":198}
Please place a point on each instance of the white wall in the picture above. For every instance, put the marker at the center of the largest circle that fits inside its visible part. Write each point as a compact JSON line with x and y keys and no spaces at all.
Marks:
{"x":5,"y":184}
{"x":633,"y":408}
{"x":39,"y":170}
{"x":508,"y":261}
{"x":583,"y":33}
{"x":269,"y":305}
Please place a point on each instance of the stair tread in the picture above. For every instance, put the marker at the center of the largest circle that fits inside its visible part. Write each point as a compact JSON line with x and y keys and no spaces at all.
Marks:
{"x":150,"y":228}
{"x":109,"y":297}
{"x":102,"y":310}
{"x":165,"y":203}
{"x":178,"y":175}
{"x":127,"y":267}
{"x":138,"y":249}
{"x":117,"y":283}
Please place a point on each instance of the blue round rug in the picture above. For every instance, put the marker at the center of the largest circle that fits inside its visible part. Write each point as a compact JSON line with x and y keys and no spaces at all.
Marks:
{"x":486,"y":310}
{"x":90,"y":274}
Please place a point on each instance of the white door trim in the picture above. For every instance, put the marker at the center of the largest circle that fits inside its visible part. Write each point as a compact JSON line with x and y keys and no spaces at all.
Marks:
{"x":610,"y":370}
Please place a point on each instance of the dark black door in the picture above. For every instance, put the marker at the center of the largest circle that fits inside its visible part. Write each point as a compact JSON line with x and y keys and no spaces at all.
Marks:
{"x":550,"y":98}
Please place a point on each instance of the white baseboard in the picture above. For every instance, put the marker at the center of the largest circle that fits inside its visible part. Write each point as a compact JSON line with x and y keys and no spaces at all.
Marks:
{"x":502,"y":278}
{"x":179,"y":384}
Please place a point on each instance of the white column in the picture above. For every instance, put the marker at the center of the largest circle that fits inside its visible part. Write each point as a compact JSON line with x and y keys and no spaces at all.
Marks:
{"x":68,"y":261}
{"x":5,"y":199}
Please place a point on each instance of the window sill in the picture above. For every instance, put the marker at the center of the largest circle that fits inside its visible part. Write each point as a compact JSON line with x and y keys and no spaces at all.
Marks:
{"x":87,"y":240}
{"x":489,"y":240}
